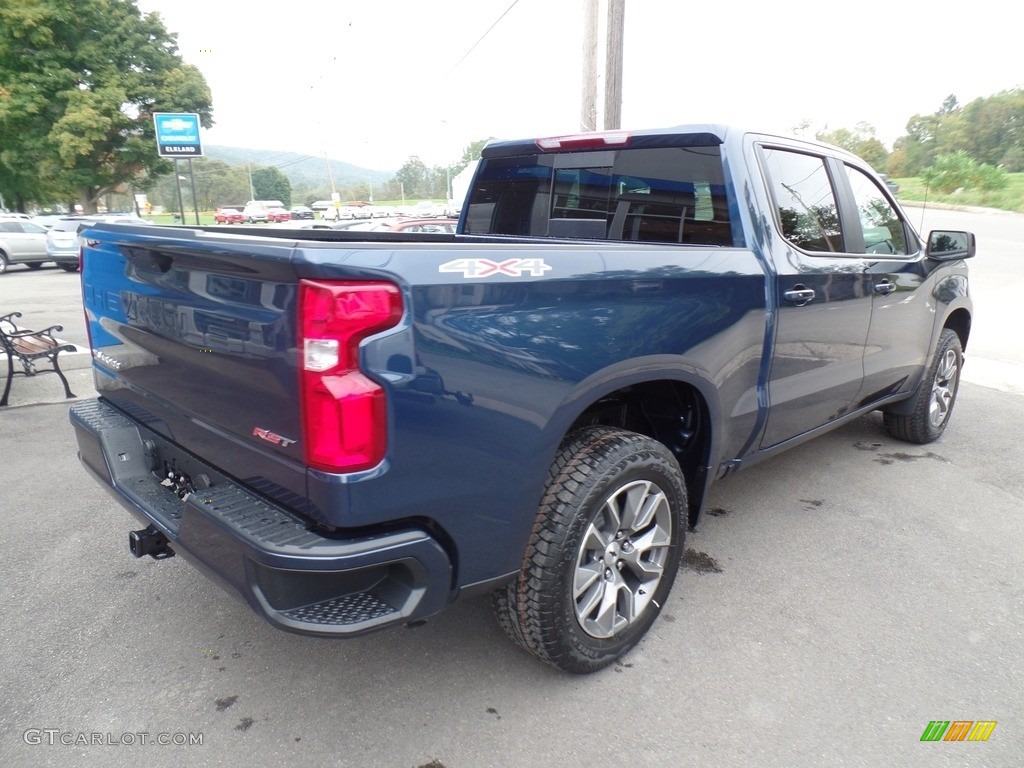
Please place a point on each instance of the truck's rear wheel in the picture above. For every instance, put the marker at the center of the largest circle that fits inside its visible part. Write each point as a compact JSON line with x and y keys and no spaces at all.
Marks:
{"x":603,"y":553}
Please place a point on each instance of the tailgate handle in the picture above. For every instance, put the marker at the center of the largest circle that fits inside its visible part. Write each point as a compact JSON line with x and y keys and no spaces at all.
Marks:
{"x":147,"y":260}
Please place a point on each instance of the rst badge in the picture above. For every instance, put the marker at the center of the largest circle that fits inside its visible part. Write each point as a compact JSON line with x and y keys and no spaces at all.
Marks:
{"x":477,"y":268}
{"x":272,"y":437}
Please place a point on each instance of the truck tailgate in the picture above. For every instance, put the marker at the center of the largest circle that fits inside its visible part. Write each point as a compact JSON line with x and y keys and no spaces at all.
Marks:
{"x":198,"y":343}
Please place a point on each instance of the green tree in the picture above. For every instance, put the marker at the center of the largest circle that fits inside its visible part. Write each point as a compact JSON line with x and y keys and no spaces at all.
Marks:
{"x":861,"y":141}
{"x":414,"y":177}
{"x":989,"y":129}
{"x":960,"y":170}
{"x":79,"y":83}
{"x":469,"y":154}
{"x":271,"y":184}
{"x":919,"y":146}
{"x":992,"y":126}
{"x":217,"y":183}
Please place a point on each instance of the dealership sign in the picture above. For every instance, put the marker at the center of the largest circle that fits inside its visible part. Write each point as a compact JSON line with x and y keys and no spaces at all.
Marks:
{"x":177,"y":134}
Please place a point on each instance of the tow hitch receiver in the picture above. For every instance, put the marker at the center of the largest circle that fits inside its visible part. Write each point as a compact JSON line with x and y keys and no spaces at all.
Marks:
{"x":149,"y":541}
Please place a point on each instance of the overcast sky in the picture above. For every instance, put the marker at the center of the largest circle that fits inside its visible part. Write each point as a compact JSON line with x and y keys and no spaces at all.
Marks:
{"x":373,"y":82}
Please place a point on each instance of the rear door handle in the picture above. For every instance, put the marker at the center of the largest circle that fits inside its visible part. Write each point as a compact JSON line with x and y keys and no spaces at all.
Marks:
{"x":885,"y":287}
{"x":799,"y":295}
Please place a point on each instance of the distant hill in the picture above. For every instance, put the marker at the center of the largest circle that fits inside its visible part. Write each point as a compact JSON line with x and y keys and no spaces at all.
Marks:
{"x":298,"y":168}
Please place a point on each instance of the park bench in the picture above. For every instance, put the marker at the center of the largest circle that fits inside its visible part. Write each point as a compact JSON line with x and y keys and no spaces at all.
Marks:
{"x":31,"y":348}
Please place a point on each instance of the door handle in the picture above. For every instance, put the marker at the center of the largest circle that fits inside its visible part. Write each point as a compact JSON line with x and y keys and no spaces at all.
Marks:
{"x":799,"y":295}
{"x":885,"y":287}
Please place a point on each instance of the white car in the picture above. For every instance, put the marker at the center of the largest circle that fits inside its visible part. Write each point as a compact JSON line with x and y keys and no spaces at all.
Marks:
{"x":426,"y":209}
{"x":259,"y":210}
{"x":22,"y":242}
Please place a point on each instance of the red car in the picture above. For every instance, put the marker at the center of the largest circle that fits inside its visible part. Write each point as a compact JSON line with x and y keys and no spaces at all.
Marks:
{"x":228,"y":215}
{"x":278,"y":214}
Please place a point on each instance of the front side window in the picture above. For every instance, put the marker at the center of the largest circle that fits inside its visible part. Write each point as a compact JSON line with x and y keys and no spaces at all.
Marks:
{"x":883,"y":228}
{"x":805,"y":202}
{"x":672,"y":194}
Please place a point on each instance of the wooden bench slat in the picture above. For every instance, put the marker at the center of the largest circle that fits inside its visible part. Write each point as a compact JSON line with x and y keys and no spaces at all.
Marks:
{"x":33,"y":345}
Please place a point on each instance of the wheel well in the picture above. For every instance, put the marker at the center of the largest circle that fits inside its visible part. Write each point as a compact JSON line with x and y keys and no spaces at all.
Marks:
{"x":671,"y":412}
{"x":960,"y":323}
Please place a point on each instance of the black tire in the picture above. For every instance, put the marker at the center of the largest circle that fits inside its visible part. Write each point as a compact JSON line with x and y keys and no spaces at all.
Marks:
{"x":594,"y":576}
{"x":3,"y":262}
{"x":69,"y":267}
{"x":935,"y":397}
{"x":34,"y":264}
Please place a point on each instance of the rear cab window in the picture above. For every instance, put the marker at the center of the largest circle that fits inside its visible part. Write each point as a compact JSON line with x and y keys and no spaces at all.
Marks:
{"x":640,"y":193}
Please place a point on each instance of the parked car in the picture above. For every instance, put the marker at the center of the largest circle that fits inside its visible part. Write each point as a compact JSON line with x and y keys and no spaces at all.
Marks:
{"x":356,"y":225}
{"x":360,"y":210}
{"x":46,"y":220}
{"x":302,"y":212}
{"x":303,"y":224}
{"x":426,"y":209}
{"x":439,"y":225}
{"x":259,"y":210}
{"x":278,"y":214}
{"x":62,"y":244}
{"x":22,"y":242}
{"x":229,"y":214}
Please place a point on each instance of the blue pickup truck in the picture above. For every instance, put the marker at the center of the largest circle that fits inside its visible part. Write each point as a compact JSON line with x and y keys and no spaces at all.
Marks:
{"x":353,"y":430}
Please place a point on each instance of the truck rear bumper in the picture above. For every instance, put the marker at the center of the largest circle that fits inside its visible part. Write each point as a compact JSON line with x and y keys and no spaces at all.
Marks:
{"x":298,"y":579}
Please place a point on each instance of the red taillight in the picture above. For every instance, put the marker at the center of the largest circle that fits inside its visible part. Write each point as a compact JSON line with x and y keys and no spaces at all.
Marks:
{"x":585,"y":141}
{"x":344,"y":413}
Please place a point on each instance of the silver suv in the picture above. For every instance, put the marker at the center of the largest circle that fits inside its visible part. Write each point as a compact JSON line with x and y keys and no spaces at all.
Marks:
{"x":62,"y":238}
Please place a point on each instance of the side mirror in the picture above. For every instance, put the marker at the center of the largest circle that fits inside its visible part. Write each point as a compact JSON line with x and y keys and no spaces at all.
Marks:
{"x":948,"y":245}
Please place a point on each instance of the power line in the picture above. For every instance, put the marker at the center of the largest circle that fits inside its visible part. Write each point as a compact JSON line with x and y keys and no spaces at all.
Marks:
{"x":485,"y":34}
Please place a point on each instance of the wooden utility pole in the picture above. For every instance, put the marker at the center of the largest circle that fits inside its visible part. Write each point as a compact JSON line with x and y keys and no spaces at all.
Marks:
{"x":613,"y":65}
{"x":588,"y":112}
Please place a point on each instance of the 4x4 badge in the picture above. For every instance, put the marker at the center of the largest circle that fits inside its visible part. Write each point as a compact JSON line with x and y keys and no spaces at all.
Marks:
{"x":476,"y":268}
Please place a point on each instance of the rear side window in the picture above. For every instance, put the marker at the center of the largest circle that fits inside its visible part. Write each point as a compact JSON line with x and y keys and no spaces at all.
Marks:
{"x":805,"y":202}
{"x":658,"y":195}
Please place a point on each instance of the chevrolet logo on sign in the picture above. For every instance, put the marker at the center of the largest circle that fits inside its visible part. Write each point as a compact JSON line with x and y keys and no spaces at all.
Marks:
{"x":177,"y":134}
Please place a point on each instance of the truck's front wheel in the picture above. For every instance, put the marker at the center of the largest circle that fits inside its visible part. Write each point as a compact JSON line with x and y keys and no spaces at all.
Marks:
{"x":933,"y":402}
{"x":603,"y":553}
